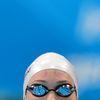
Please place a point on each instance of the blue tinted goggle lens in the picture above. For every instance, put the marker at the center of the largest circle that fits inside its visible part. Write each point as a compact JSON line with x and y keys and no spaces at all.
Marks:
{"x":64,"y":90}
{"x":40,"y":90}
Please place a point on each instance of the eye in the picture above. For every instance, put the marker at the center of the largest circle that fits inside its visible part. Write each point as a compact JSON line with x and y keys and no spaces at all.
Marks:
{"x":64,"y":90}
{"x":39,"y":90}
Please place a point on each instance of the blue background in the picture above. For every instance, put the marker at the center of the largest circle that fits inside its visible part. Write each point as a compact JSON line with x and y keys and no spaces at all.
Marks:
{"x":29,"y":28}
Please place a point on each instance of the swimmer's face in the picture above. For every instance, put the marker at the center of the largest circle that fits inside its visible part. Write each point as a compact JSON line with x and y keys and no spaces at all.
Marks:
{"x":51,"y":78}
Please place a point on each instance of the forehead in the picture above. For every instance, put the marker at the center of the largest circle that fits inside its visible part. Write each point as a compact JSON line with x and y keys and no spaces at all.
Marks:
{"x":51,"y":75}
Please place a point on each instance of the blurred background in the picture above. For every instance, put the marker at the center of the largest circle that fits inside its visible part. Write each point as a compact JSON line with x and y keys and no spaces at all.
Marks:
{"x":29,"y":28}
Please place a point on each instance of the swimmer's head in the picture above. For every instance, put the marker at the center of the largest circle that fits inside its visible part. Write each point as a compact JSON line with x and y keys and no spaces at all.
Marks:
{"x":50,"y":68}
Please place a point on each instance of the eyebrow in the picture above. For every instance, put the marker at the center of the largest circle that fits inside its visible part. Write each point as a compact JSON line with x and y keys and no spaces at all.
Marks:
{"x":43,"y":81}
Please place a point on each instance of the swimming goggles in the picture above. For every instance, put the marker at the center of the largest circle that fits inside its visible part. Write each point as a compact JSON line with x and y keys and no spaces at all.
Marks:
{"x":40,"y":90}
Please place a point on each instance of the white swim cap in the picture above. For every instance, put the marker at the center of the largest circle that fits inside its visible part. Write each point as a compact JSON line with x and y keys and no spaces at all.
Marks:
{"x":49,"y":61}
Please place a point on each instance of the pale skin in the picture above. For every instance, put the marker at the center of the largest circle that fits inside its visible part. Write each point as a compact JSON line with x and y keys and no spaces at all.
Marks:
{"x":51,"y":78}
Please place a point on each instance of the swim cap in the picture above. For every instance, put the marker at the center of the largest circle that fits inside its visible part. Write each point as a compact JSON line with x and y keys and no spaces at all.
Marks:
{"x":49,"y":61}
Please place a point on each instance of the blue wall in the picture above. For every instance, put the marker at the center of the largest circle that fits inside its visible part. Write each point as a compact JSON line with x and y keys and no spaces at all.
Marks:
{"x":29,"y":28}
